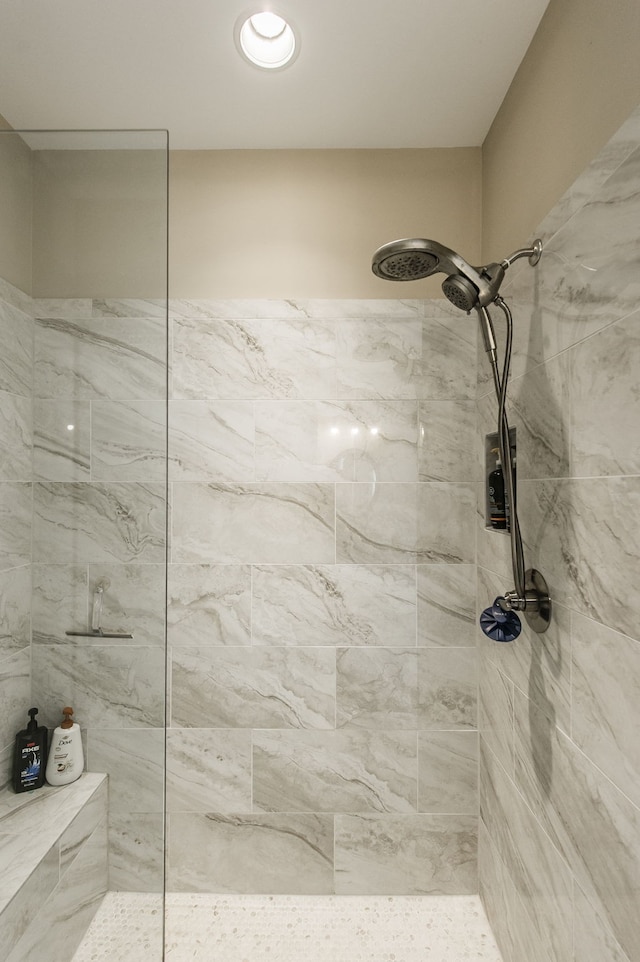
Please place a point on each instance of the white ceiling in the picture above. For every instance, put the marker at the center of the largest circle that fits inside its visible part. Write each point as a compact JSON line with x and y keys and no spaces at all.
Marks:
{"x":371,"y":73}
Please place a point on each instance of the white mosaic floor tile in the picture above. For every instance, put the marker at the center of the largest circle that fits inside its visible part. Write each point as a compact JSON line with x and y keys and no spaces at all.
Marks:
{"x":253,"y":928}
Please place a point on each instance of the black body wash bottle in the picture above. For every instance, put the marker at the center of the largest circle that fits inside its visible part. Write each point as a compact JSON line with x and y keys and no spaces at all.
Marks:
{"x":30,"y":755}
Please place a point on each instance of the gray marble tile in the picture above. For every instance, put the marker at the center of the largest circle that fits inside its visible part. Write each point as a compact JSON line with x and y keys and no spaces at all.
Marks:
{"x":15,"y":692}
{"x":6,"y":763}
{"x":62,"y":440}
{"x":16,"y":297}
{"x":18,"y":912}
{"x":91,"y":815}
{"x":60,"y":603}
{"x":495,"y":712}
{"x":259,"y":523}
{"x":592,"y":824}
{"x":540,"y":411}
{"x":128,"y":440}
{"x":64,"y":918}
{"x":406,"y":358}
{"x":134,"y":761}
{"x":605,"y":695}
{"x":62,"y":307}
{"x":334,"y":605}
{"x":335,"y":771}
{"x":447,"y":688}
{"x":15,"y":610}
{"x":16,"y":364}
{"x":377,"y":688}
{"x":211,"y":441}
{"x":446,"y":605}
{"x":448,"y":772}
{"x":99,"y":522}
{"x":239,"y":309}
{"x":108,"y":358}
{"x":406,"y":855}
{"x":348,"y":440}
{"x":405,"y":523}
{"x":136,"y":853}
{"x":208,"y":770}
{"x":251,"y":853}
{"x":541,"y":877}
{"x":497,"y":895}
{"x":538,"y":664}
{"x":605,"y":403}
{"x":247,"y":359}
{"x":129,"y":307}
{"x":561,"y":523}
{"x":446,"y":441}
{"x":15,"y":437}
{"x":133,"y":600}
{"x":209,"y":605}
{"x":109,"y":687}
{"x":593,"y":938}
{"x":15,"y":524}
{"x":253,"y":687}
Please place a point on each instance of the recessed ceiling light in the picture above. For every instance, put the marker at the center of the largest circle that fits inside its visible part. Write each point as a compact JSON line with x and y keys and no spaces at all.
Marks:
{"x":266,"y":40}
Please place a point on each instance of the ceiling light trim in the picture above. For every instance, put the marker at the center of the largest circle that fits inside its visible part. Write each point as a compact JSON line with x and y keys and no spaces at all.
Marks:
{"x":261,"y":45}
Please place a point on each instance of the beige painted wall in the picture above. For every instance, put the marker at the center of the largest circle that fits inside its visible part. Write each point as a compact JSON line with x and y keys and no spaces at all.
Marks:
{"x":15,"y":209}
{"x":99,"y":224}
{"x":577,"y":84}
{"x":304,"y":223}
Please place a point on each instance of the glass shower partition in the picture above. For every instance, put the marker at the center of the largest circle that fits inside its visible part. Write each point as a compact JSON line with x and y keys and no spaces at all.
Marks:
{"x":83,"y":500}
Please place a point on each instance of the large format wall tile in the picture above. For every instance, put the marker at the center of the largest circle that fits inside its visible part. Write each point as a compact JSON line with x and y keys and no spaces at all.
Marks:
{"x":605,"y":693}
{"x":109,"y":687}
{"x":14,"y":695}
{"x":432,"y":357}
{"x":253,"y":687}
{"x":134,"y":759}
{"x":136,"y":852}
{"x":15,"y":437}
{"x":15,"y":609}
{"x":209,"y":605}
{"x":563,"y":522}
{"x":100,"y":358}
{"x":15,"y":524}
{"x":593,"y":825}
{"x":337,"y":441}
{"x":334,"y":771}
{"x":406,"y":854}
{"x":541,"y":878}
{"x":446,"y":605}
{"x":251,"y":853}
{"x":248,"y":359}
{"x":128,"y":440}
{"x":377,"y":688}
{"x":16,"y":363}
{"x":334,"y":605}
{"x":99,"y":522}
{"x":62,"y":440}
{"x":405,"y":523}
{"x":446,"y":441}
{"x":208,"y":770}
{"x":211,"y":441}
{"x":448,"y":772}
{"x":260,"y":523}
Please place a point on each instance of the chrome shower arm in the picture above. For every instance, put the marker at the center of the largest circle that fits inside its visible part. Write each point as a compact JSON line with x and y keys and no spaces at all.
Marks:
{"x":534,"y":253}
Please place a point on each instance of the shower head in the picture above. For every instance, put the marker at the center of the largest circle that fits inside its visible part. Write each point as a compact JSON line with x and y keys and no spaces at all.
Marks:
{"x":466,"y":287}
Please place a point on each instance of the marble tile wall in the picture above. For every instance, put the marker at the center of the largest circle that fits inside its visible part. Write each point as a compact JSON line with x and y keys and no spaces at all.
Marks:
{"x":322,"y":656}
{"x":99,"y":520}
{"x":16,"y":430}
{"x":559,"y":713}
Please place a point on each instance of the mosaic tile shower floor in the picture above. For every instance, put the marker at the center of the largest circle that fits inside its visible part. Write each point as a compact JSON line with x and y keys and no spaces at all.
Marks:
{"x":287,"y":928}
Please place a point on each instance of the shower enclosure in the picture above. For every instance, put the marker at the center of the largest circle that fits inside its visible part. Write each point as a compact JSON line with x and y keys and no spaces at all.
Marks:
{"x":310,"y":719}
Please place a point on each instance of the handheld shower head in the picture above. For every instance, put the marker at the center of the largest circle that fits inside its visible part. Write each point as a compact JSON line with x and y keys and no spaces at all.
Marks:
{"x":466,"y":287}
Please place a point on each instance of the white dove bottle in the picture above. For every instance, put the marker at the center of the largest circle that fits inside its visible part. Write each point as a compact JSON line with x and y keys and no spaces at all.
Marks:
{"x":66,"y":758}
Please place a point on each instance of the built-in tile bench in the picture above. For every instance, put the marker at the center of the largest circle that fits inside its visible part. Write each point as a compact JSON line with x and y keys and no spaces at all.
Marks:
{"x":53,"y":868}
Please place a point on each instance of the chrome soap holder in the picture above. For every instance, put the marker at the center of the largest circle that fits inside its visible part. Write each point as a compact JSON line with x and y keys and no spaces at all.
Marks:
{"x":96,"y":630}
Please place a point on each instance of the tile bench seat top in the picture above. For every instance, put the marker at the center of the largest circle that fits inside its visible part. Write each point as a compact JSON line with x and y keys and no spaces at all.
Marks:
{"x":40,"y":834}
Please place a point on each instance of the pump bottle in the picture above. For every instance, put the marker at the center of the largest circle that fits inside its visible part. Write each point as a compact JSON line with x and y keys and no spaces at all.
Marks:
{"x":66,"y":758}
